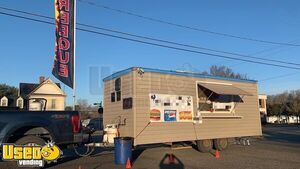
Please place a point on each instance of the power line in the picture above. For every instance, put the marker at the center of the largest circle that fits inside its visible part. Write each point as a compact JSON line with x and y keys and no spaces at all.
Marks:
{"x":273,"y":48}
{"x":25,"y":12}
{"x":156,"y":44}
{"x":159,"y":40}
{"x":264,"y":51}
{"x":278,"y":77}
{"x":185,"y":26}
{"x":192,"y":46}
{"x":27,"y":18}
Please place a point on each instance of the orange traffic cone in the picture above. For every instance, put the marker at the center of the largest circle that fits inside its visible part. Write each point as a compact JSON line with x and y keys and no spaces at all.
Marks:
{"x":217,"y":155}
{"x":128,"y":164}
{"x":171,"y":159}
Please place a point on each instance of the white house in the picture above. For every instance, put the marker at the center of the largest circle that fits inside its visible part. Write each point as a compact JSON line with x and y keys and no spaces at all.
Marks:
{"x":47,"y":92}
{"x":262,"y":99}
{"x":20,"y":102}
{"x":4,"y":101}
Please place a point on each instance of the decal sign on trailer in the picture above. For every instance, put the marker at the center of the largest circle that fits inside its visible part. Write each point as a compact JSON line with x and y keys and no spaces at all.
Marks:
{"x":171,"y":108}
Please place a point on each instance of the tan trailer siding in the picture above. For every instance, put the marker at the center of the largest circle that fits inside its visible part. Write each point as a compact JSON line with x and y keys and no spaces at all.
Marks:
{"x":247,"y":125}
{"x":114,"y":110}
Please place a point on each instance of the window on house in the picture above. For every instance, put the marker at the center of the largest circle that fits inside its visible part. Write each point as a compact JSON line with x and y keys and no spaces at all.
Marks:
{"x":261,"y":103}
{"x":53,"y":104}
{"x":113,"y":97}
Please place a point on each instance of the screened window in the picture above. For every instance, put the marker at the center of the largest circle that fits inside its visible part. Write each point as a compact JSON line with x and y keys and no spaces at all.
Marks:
{"x":127,"y":103}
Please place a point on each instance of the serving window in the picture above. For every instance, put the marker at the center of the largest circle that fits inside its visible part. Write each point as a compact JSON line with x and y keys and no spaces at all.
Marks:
{"x":218,"y":98}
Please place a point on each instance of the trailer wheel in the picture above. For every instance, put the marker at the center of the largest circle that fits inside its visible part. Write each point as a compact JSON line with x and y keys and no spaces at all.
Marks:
{"x":204,"y":145}
{"x":220,"y":144}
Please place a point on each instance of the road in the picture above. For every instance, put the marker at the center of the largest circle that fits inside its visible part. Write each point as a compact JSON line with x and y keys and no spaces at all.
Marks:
{"x":280,"y":148}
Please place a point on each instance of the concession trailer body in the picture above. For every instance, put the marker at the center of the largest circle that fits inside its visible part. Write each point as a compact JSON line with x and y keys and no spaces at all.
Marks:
{"x":160,"y":106}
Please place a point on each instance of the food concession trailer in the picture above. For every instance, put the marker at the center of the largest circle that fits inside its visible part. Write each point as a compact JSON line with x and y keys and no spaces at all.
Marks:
{"x":161,"y":106}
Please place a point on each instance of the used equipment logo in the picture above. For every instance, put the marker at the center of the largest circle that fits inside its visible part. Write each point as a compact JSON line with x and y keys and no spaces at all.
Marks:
{"x":31,"y":155}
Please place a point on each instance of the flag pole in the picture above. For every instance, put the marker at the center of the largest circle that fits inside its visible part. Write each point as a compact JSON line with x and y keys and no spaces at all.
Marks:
{"x":74,"y":60}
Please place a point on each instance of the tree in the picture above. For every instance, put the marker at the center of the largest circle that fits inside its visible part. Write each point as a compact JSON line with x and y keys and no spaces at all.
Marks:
{"x":275,"y":110}
{"x":8,"y":91}
{"x":225,"y":72}
{"x":293,"y":104}
{"x":286,"y":103}
{"x":82,"y":104}
{"x":86,"y":110}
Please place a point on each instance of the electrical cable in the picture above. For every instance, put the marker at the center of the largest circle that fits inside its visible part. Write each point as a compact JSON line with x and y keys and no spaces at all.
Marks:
{"x":159,"y":40}
{"x":185,"y":26}
{"x":156,"y":44}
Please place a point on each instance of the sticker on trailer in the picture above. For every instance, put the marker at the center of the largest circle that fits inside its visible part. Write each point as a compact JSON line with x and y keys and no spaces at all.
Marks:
{"x":166,"y":108}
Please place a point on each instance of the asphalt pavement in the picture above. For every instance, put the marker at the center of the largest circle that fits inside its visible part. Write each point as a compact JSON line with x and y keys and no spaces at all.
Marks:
{"x":279,"y":148}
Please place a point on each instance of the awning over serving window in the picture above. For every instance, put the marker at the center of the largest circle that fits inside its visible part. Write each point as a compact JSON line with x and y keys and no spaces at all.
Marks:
{"x":224,"y":89}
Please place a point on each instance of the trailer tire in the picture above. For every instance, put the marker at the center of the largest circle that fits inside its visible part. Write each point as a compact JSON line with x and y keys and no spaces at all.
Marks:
{"x":204,"y":145}
{"x":30,"y":140}
{"x":220,"y":144}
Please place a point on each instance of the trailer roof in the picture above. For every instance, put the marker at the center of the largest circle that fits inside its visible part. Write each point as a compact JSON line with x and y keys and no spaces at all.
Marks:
{"x":173,"y":72}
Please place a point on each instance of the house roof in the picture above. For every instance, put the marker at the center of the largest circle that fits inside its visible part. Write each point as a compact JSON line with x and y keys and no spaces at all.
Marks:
{"x":173,"y":72}
{"x":27,"y":88}
{"x":1,"y":96}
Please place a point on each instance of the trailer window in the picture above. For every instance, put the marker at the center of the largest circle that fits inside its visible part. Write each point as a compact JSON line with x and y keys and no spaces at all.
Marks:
{"x":118,"y":84}
{"x":118,"y":95}
{"x":113,"y":97}
{"x":127,"y":103}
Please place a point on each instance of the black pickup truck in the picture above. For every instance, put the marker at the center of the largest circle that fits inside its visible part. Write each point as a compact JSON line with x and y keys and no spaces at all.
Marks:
{"x":24,"y":127}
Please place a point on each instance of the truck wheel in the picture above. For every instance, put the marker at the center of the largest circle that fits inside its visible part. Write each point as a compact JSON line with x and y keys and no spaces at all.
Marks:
{"x":27,"y":140}
{"x":204,"y":145}
{"x":220,"y":144}
{"x":30,"y":140}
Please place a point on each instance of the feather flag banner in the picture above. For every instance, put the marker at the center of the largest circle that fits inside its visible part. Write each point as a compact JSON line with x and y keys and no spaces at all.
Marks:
{"x":63,"y":68}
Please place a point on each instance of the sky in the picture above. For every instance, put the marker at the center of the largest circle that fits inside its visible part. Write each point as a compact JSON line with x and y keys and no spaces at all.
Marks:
{"x":27,"y":47}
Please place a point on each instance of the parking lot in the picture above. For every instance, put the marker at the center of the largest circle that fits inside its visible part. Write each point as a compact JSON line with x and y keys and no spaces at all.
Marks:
{"x":280,"y":148}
